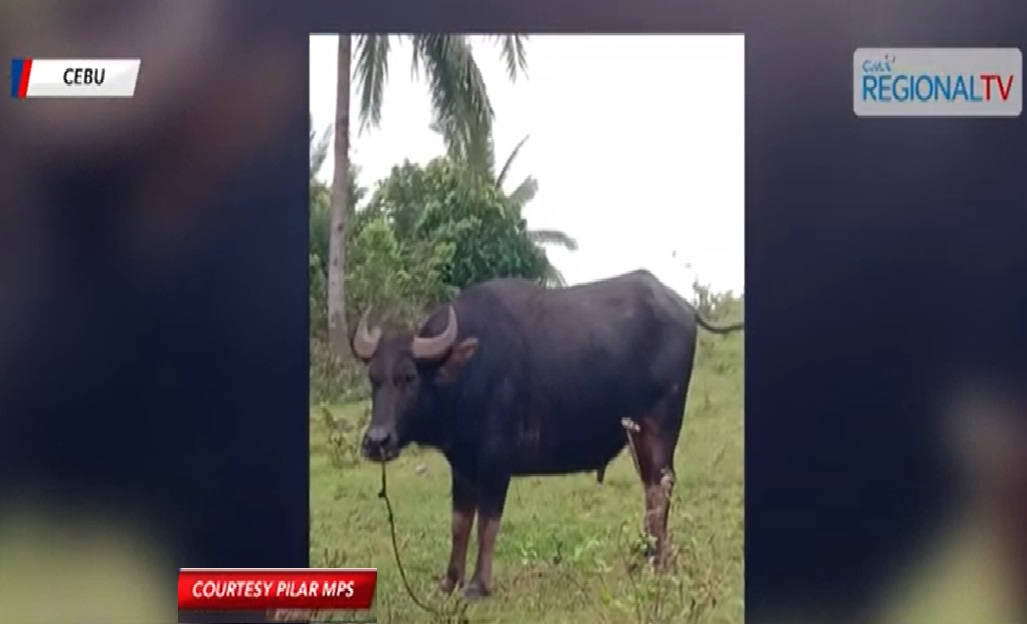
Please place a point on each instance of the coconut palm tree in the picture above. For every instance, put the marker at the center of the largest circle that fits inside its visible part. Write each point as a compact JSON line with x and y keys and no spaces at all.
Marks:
{"x":457,"y":92}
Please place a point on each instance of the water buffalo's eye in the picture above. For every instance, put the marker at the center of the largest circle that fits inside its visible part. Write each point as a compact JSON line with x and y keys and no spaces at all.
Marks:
{"x":409,"y":378}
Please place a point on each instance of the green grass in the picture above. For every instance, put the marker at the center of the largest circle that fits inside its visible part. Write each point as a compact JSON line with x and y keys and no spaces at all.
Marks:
{"x":567,"y":548}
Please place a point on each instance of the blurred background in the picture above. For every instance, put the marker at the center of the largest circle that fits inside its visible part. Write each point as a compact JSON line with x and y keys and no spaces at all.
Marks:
{"x":153,"y":320}
{"x":153,"y":309}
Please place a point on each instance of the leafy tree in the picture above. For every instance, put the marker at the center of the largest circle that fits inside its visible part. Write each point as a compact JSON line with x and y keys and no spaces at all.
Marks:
{"x":440,"y":205}
{"x":318,"y":217}
{"x":479,"y":157}
{"x":400,"y":281}
{"x":458,"y":93}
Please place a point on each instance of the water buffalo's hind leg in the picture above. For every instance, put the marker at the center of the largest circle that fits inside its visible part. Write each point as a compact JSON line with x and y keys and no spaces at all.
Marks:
{"x":464,"y":507}
{"x":653,"y":440}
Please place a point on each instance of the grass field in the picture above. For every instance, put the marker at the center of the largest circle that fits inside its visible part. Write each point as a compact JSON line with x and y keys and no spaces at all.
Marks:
{"x":567,"y":549}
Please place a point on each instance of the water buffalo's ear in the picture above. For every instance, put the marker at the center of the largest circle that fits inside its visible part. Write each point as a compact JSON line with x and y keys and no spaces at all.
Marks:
{"x":457,"y":358}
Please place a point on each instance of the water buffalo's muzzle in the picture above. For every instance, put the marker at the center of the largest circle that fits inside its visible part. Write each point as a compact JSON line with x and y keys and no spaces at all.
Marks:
{"x":380,"y":444}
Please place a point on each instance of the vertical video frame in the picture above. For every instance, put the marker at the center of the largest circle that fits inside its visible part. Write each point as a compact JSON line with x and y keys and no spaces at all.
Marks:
{"x":527,"y":325}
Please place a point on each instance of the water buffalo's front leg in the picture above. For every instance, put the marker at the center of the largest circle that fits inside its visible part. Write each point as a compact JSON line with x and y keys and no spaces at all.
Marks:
{"x":492,"y":491}
{"x":464,"y":507}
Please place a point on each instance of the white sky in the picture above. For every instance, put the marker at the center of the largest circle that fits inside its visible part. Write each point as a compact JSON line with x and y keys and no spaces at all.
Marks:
{"x":637,"y":143}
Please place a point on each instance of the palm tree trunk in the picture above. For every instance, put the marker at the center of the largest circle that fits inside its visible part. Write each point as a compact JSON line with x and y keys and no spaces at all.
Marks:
{"x":337,"y":331}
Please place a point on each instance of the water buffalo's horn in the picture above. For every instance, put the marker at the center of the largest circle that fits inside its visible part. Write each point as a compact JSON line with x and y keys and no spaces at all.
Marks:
{"x":434,"y":348}
{"x":365,"y":341}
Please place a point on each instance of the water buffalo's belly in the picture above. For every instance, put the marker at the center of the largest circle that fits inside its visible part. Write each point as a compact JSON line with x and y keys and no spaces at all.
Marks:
{"x":548,"y":468}
{"x":569,"y":450}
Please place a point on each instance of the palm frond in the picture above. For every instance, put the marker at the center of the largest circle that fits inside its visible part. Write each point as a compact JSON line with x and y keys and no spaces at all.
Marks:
{"x":525,"y":192}
{"x":357,"y":193}
{"x":477,"y":152}
{"x":318,"y":148}
{"x":552,"y":276}
{"x":372,"y":72}
{"x":553,"y":237}
{"x":481,"y":154}
{"x":458,"y":93}
{"x":416,"y":57}
{"x":509,"y":160}
{"x":514,"y":53}
{"x":448,"y":127}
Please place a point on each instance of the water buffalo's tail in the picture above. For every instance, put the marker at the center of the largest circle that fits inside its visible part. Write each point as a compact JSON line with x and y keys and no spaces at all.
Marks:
{"x":715,"y":329}
{"x":685,"y":303}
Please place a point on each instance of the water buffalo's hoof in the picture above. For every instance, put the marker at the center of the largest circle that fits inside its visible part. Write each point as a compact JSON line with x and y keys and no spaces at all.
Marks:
{"x":475,"y":591}
{"x":447,"y":584}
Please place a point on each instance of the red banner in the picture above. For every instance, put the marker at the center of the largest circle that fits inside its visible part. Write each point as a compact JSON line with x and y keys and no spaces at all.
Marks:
{"x":289,"y":588}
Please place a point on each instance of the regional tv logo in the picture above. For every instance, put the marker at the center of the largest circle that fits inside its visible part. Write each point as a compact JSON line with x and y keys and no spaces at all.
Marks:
{"x":937,"y":82}
{"x":73,"y":78}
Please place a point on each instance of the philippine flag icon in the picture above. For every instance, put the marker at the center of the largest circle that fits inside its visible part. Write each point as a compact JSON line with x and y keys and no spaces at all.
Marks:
{"x":73,"y":78}
{"x":21,"y":69}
